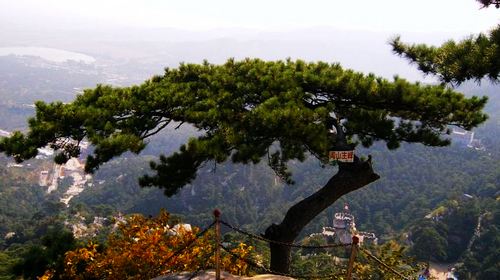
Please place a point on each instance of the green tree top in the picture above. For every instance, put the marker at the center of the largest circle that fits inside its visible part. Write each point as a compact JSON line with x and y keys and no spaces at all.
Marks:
{"x":247,"y":110}
{"x":475,"y":57}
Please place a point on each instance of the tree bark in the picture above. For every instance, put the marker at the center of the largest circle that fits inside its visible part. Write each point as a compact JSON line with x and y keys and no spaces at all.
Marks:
{"x":350,"y":177}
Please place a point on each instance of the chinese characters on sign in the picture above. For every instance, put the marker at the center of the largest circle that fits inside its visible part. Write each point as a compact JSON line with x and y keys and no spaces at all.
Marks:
{"x":342,"y":156}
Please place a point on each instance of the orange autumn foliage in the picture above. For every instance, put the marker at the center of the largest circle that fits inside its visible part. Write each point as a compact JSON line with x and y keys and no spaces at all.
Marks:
{"x":143,"y":248}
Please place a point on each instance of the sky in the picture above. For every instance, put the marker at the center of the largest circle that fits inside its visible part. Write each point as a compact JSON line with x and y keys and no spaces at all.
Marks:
{"x":463,"y":16}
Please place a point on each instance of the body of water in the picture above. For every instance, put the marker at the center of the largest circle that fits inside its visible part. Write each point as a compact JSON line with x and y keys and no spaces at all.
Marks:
{"x":55,"y":55}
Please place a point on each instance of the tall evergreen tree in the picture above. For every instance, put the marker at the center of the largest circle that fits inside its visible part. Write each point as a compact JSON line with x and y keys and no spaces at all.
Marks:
{"x":248,"y":111}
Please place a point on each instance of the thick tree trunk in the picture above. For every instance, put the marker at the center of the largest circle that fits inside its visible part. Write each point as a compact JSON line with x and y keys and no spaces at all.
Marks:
{"x":350,"y":177}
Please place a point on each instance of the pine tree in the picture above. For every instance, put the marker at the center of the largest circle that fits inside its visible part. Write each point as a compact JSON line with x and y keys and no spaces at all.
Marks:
{"x":473,"y":58}
{"x":249,"y":111}
{"x":487,"y":3}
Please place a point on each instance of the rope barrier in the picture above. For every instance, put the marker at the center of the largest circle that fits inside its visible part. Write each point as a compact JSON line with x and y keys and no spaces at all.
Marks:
{"x":267,"y":270}
{"x":255,"y":236}
{"x":383,"y":264}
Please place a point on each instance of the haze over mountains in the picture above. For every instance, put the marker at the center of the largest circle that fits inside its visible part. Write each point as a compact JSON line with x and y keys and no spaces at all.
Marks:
{"x":365,"y":51}
{"x":415,"y":179}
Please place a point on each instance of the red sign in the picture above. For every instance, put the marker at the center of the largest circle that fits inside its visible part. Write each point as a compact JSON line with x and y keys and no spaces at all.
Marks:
{"x":343,"y":156}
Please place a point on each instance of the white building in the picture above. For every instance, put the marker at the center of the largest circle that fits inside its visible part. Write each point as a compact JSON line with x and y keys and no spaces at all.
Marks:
{"x":344,"y":228}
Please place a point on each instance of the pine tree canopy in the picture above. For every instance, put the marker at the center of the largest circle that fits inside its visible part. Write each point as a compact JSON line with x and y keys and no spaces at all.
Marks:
{"x":475,"y":57}
{"x":247,"y":111}
{"x":487,"y":3}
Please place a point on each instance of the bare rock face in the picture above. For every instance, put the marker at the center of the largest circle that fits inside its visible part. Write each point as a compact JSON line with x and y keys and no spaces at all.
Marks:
{"x":210,"y":275}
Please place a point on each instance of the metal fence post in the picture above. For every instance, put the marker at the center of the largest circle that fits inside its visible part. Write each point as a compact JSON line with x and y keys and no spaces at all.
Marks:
{"x":217,"y":243}
{"x":354,"y":251}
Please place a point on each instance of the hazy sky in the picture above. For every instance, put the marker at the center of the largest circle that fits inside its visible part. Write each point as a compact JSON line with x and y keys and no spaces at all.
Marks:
{"x":379,"y":15}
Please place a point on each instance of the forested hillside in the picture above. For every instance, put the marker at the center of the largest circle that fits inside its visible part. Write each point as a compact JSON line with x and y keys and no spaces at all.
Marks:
{"x":414,"y":180}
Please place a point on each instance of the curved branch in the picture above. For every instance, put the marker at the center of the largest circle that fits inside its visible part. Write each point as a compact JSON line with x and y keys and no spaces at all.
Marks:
{"x":350,"y":177}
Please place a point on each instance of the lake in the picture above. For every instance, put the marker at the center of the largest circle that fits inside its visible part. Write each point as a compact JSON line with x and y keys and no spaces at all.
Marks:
{"x":55,"y":55}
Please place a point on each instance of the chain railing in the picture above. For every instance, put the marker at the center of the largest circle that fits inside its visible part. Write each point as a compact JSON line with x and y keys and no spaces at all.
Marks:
{"x":292,"y":245}
{"x":348,"y":272}
{"x":264,"y":269}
